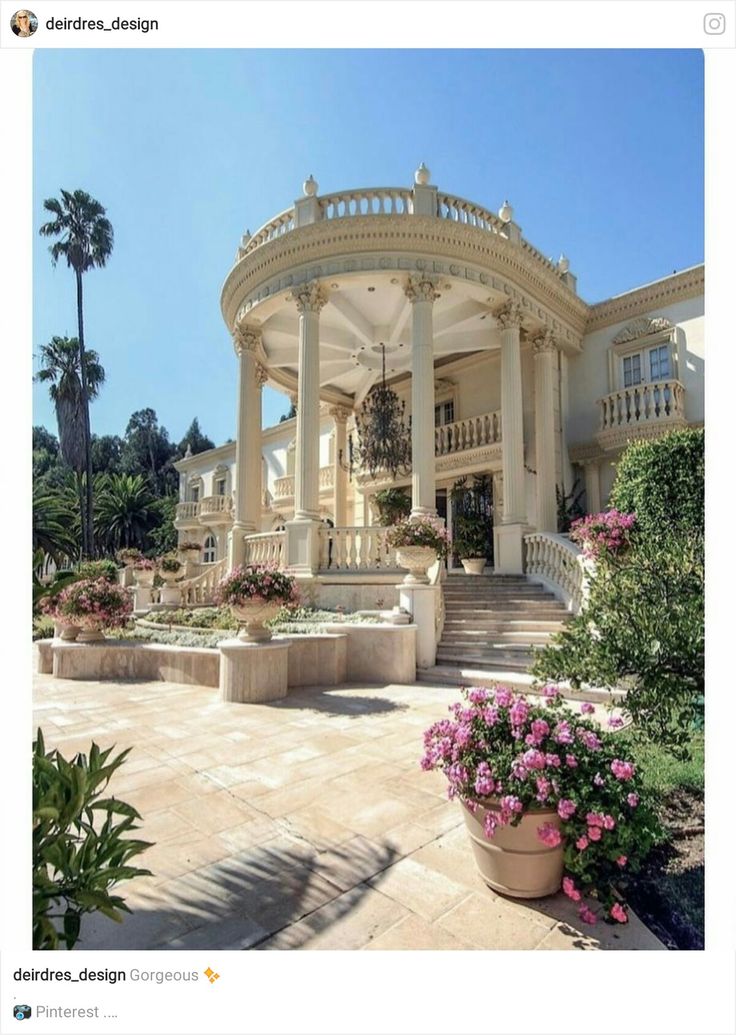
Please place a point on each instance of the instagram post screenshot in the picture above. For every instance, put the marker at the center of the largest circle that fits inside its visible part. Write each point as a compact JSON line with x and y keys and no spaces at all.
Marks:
{"x":354,"y":586}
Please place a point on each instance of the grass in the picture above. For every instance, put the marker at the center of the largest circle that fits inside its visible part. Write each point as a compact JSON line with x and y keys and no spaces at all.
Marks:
{"x":663,"y":774}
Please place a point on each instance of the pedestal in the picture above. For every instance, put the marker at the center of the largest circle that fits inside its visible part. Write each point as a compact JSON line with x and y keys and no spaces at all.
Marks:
{"x":251,"y":673}
{"x":302,"y":547}
{"x":421,"y":603}
{"x":508,"y":549}
{"x":141,"y":598}
{"x":171,"y":595}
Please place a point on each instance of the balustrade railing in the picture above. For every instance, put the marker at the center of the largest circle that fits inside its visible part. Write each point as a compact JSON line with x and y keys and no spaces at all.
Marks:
{"x":642,"y":404}
{"x":468,"y":433}
{"x":356,"y":549}
{"x":186,"y":511}
{"x":327,"y":477}
{"x":387,"y":201}
{"x":215,"y":505}
{"x":201,"y":589}
{"x":283,"y":488}
{"x":559,"y":564}
{"x":265,"y":548}
{"x":461,"y":211}
{"x":276,"y":227}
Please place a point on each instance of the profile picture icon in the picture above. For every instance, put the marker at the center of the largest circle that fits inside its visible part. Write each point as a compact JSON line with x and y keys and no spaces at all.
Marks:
{"x":24,"y":23}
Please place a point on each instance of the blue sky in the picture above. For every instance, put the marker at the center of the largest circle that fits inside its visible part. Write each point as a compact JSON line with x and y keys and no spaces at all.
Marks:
{"x":599,"y":152}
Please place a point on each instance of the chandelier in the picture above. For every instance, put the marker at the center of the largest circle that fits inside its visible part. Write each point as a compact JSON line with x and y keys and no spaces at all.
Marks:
{"x":383,"y":440}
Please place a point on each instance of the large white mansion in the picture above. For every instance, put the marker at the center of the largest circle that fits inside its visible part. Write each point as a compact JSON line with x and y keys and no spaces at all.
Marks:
{"x":504,"y":369}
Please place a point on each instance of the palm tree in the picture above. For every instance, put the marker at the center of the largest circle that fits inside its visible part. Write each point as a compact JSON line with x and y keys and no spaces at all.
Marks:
{"x":85,"y":241}
{"x":53,"y":525}
{"x":125,"y":510}
{"x":60,"y":369}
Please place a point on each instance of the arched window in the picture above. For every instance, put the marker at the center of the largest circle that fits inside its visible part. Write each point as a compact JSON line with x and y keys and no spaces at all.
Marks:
{"x":209,"y":553}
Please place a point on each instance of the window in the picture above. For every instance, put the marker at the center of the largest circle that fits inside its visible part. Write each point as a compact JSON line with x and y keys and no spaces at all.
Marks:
{"x":209,"y":554}
{"x":195,"y":494}
{"x":220,"y":486}
{"x":632,"y":370}
{"x":444,"y":413}
{"x":659,"y":363}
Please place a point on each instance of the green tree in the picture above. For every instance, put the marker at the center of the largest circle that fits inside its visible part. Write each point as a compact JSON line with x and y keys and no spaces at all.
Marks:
{"x":195,"y":440}
{"x":61,"y":369}
{"x":53,"y":525}
{"x":146,"y":448}
{"x":85,"y":241}
{"x":124,"y":510}
{"x":162,"y":536}
{"x":107,"y":451}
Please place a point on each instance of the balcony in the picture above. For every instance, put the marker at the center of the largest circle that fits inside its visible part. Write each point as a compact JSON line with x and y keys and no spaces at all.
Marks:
{"x":187,"y":515}
{"x":215,"y":509}
{"x":283,"y":488}
{"x":641,"y":411}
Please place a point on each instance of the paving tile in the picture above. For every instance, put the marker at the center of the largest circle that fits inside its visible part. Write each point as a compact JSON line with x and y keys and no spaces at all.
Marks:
{"x":420,"y":889}
{"x":212,"y":813}
{"x":490,"y":922}
{"x":413,"y":933}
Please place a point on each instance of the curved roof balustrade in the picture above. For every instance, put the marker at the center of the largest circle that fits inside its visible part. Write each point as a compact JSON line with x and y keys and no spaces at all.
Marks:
{"x":362,"y":245}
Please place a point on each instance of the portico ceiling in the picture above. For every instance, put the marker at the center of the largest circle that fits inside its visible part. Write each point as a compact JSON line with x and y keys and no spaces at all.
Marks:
{"x":365,"y":311}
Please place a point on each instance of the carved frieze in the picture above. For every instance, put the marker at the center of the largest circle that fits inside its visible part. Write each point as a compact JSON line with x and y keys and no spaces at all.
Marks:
{"x":640,"y":328}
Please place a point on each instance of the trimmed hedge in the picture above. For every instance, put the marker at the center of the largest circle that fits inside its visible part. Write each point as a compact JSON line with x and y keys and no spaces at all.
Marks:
{"x":662,"y":482}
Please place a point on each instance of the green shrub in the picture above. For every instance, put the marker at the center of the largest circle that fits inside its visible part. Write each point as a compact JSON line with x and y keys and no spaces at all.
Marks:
{"x":98,"y":570}
{"x":393,"y":505}
{"x":75,"y":861}
{"x":642,"y":630}
{"x":662,"y":482}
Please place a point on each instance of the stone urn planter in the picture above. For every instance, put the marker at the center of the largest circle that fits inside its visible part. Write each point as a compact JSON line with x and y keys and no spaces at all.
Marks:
{"x":253,"y":613}
{"x":418,"y":559}
{"x":515,"y":862}
{"x":91,"y":633}
{"x":170,"y":577}
{"x":144,"y":577}
{"x":473,"y":565}
{"x":66,"y":632}
{"x":190,"y":556}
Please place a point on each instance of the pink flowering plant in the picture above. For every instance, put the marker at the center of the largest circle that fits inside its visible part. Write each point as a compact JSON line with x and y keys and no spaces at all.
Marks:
{"x":255,"y":582}
{"x":92,"y":604}
{"x":429,"y":532}
{"x":144,"y":564}
{"x":603,"y":535}
{"x":170,"y":564}
{"x":524,"y":756}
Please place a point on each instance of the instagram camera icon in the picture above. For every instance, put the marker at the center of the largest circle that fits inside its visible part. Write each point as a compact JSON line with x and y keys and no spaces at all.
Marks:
{"x":714,"y":24}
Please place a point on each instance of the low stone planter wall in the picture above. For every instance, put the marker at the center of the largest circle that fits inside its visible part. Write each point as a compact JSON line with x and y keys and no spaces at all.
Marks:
{"x":356,"y":592}
{"x":45,"y":656}
{"x":320,"y":659}
{"x":379,"y":653}
{"x":125,"y":659}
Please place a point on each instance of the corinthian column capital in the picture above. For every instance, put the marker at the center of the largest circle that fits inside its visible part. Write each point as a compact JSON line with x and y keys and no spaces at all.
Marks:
{"x":261,"y":375}
{"x":543,"y":343}
{"x":246,"y":339}
{"x":509,"y":315}
{"x":421,"y":288}
{"x":339,"y":414}
{"x":310,"y":297}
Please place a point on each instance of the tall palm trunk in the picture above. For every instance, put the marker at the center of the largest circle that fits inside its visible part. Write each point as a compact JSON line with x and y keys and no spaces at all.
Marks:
{"x":87,"y":519}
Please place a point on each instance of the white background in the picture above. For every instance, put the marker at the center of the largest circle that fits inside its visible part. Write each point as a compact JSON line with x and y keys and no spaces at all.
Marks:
{"x":379,"y":992}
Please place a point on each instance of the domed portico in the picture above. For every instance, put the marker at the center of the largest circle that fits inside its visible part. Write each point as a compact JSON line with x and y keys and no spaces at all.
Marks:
{"x":318,"y":294}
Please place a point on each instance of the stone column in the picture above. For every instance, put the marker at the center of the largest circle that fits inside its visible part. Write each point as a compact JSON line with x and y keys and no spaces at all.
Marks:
{"x":340,"y":476}
{"x":545,"y":370}
{"x":509,"y":559}
{"x":302,"y":539}
{"x":247,"y":503}
{"x":593,"y":487}
{"x":421,"y":292}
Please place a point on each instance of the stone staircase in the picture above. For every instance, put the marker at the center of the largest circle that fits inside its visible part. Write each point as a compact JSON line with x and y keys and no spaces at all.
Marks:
{"x":493,"y":624}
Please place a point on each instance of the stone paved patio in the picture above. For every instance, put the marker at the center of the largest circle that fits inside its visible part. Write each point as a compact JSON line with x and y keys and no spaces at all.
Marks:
{"x":303,"y":824}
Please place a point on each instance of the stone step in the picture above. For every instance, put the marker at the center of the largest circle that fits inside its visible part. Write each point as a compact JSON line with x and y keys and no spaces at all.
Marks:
{"x":480,"y":625}
{"x":488,"y":675}
{"x":517,"y":661}
{"x":492,"y":594}
{"x":507,"y":610}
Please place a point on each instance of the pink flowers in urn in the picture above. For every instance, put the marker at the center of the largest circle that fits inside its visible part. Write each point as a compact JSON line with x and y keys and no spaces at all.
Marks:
{"x":501,"y":751}
{"x":604,"y":534}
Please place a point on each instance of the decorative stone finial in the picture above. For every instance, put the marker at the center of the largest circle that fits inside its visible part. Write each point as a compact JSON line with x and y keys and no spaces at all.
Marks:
{"x":189,"y":451}
{"x":563,"y":263}
{"x":422,"y":175}
{"x":506,"y":213}
{"x":310,"y":187}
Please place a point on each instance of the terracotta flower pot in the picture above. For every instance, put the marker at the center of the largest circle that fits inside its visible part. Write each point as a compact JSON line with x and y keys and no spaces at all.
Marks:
{"x":418,"y":559}
{"x":473,"y":565}
{"x":253,"y":613}
{"x":514,"y":861}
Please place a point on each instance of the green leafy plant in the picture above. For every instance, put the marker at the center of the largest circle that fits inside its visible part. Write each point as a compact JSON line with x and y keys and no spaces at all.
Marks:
{"x":98,"y":570}
{"x":77,"y":861}
{"x":569,"y":506}
{"x":393,"y":505}
{"x":170,"y":564}
{"x":470,"y":537}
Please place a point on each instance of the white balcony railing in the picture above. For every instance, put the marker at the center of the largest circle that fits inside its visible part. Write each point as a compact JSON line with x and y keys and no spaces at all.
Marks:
{"x":265,"y":548}
{"x":211,"y":506}
{"x":365,"y":202}
{"x":462,"y":211}
{"x":283,"y":488}
{"x":642,"y":404}
{"x":187,"y":511}
{"x":468,"y":433}
{"x":356,"y":549}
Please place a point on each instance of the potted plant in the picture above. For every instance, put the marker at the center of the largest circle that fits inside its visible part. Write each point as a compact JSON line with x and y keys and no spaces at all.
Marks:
{"x":128,"y":556}
{"x":98,"y":570}
{"x":418,"y":543}
{"x":255,"y":593}
{"x":190,"y":550}
{"x":93,"y":605}
{"x":470,"y":542}
{"x":547,"y":797}
{"x":392,"y":505}
{"x":144,"y":571}
{"x":169,"y":568}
